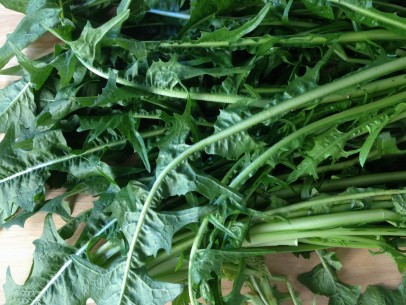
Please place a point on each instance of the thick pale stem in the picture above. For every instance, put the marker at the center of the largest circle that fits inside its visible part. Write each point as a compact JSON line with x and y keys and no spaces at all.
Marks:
{"x":327,"y":221}
{"x":262,"y":239}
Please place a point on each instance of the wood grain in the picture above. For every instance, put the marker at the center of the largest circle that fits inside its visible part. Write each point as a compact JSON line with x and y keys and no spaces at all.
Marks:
{"x":16,"y":246}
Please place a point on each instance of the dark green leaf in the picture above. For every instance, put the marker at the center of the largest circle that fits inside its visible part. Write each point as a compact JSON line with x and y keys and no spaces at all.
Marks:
{"x":234,"y":146}
{"x":22,"y":173}
{"x":25,"y":167}
{"x":158,"y":228}
{"x":112,"y":94}
{"x":224,"y":34}
{"x":87,"y":46}
{"x":185,"y":178}
{"x":325,"y":282}
{"x":125,"y":123}
{"x":156,"y":233}
{"x":320,"y":7}
{"x":33,"y":26}
{"x":16,"y":5}
{"x":17,"y":106}
{"x":58,"y":106}
{"x":103,"y":293}
{"x":170,"y":74}
{"x":59,"y":267}
{"x":66,"y":64}
{"x":38,"y":71}
{"x":375,"y":295}
{"x":201,"y":11}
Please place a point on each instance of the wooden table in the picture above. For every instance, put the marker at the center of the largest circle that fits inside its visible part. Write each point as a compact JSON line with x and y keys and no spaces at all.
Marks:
{"x":16,"y":246}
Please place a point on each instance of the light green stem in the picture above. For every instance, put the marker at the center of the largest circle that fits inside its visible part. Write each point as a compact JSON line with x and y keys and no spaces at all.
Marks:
{"x":341,"y":208}
{"x":308,"y":40}
{"x":380,"y":85}
{"x":357,"y":242}
{"x":328,"y":221}
{"x":261,"y":239}
{"x":340,"y":184}
{"x":176,"y":250}
{"x":331,"y":199}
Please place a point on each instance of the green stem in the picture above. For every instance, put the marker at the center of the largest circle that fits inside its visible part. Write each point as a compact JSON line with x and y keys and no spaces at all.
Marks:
{"x":267,"y":114}
{"x":193,"y":251}
{"x":265,"y":297}
{"x":344,"y":57}
{"x":341,"y":208}
{"x":179,"y":276}
{"x":261,"y":251}
{"x":262,"y":239}
{"x":292,"y":23}
{"x":308,"y":40}
{"x":296,"y":300}
{"x":104,"y":253}
{"x":61,"y":7}
{"x":327,"y":221}
{"x":152,"y":133}
{"x":230,"y":99}
{"x":338,"y":242}
{"x":208,"y":97}
{"x":158,"y":117}
{"x":373,"y":87}
{"x":373,"y":14}
{"x":169,"y":265}
{"x":331,"y":200}
{"x":265,"y":90}
{"x":357,"y":242}
{"x":147,"y":116}
{"x":334,"y":185}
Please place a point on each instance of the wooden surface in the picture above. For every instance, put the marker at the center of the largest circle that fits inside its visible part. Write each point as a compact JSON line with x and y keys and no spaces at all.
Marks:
{"x":16,"y":246}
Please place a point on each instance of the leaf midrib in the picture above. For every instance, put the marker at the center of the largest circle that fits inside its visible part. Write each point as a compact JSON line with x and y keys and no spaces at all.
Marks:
{"x":60,"y":160}
{"x":15,"y":99}
{"x":69,"y":262}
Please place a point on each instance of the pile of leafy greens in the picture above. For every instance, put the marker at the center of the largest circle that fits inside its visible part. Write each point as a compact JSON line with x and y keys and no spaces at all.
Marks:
{"x":211,"y":133}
